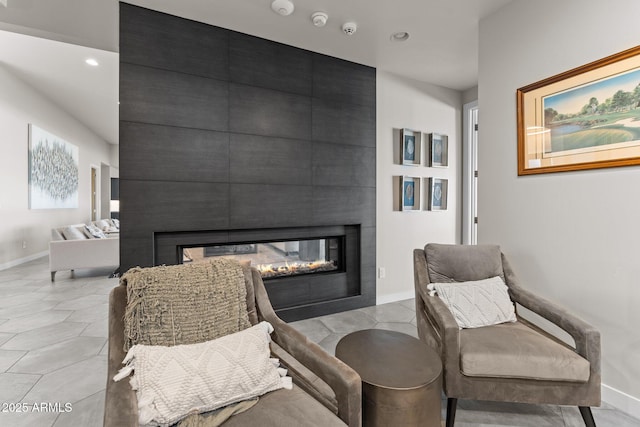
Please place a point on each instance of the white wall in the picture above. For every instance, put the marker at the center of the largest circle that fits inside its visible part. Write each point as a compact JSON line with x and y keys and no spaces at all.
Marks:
{"x":85,"y":23}
{"x":470,"y":95}
{"x":20,"y":105}
{"x":572,"y":237}
{"x":404,"y":103}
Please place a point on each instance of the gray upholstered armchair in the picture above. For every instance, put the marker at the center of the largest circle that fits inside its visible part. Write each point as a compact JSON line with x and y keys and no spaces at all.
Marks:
{"x":513,"y":362}
{"x":325,"y":390}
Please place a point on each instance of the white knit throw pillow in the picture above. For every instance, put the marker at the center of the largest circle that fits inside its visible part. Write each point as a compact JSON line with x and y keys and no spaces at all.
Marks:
{"x":477,"y":303}
{"x":173,"y":382}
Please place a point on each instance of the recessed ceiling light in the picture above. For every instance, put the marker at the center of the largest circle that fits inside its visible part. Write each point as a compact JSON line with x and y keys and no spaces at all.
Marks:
{"x":91,"y":61}
{"x":400,"y":36}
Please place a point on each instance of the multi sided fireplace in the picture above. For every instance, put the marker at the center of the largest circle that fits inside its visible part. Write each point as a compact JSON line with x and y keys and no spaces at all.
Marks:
{"x":278,"y":259}
{"x":303,"y":267}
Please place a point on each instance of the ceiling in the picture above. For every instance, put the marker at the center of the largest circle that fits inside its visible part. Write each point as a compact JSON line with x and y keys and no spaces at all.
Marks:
{"x":55,"y":36}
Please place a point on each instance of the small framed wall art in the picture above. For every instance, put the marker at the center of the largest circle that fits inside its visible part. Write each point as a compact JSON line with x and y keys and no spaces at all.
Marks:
{"x":437,"y":193}
{"x":410,"y":147}
{"x":438,"y":150}
{"x":408,"y":193}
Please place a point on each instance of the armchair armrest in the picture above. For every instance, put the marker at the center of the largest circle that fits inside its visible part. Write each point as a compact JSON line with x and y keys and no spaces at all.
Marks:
{"x":440,"y":317}
{"x":121,"y":405}
{"x":586,"y":337}
{"x":443,"y":320}
{"x":343,"y":380}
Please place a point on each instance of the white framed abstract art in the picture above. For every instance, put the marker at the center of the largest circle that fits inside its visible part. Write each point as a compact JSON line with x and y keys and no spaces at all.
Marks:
{"x":53,"y":171}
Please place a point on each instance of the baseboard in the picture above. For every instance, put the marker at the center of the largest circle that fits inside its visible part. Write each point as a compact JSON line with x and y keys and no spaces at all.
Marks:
{"x":621,"y":400}
{"x":399,"y":296}
{"x":23,"y":260}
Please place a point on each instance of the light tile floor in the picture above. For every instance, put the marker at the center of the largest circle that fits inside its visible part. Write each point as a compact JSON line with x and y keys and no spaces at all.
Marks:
{"x":53,"y":350}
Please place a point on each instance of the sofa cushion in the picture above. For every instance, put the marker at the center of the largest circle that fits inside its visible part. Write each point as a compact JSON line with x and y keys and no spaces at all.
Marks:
{"x":95,"y":231}
{"x":102,"y":224}
{"x":286,"y":408}
{"x":515,"y":350}
{"x":73,"y":233}
{"x":172,"y":382}
{"x":462,"y":263}
{"x":477,"y":303}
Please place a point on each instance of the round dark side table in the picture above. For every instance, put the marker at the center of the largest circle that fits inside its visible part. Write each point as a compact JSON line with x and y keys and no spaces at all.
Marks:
{"x":401,"y":378}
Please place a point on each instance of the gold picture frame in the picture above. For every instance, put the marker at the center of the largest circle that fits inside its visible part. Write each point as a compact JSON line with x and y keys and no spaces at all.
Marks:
{"x":584,"y":118}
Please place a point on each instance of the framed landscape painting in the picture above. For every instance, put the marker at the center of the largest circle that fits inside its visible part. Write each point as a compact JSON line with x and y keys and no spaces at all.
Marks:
{"x":53,"y":171}
{"x":585,"y":118}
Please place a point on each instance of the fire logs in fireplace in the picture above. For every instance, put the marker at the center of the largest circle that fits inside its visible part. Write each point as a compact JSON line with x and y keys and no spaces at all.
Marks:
{"x":280,"y":258}
{"x":268,"y":271}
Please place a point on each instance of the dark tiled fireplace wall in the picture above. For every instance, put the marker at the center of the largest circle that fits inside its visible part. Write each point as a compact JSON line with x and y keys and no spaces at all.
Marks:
{"x":222,"y":131}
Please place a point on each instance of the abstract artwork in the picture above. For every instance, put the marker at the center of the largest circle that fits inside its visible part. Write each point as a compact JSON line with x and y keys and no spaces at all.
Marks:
{"x":53,"y":171}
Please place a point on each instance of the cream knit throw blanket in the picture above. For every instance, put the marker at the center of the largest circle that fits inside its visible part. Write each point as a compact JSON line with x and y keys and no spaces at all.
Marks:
{"x":184,"y":304}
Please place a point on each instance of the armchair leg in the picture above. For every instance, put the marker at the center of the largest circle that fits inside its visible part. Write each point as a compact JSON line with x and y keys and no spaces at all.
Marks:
{"x":452,"y":404}
{"x":587,"y":416}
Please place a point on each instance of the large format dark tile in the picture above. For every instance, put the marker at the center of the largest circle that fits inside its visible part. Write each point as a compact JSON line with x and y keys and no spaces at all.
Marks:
{"x":163,"y":41}
{"x":344,"y":205}
{"x":263,"y":63}
{"x":267,"y":160}
{"x":178,"y":154}
{"x":155,"y":206}
{"x":268,"y":112}
{"x":267,"y":206}
{"x":348,"y":124}
{"x":136,"y":251}
{"x":343,"y":81}
{"x":151,"y":95}
{"x":344,"y":165}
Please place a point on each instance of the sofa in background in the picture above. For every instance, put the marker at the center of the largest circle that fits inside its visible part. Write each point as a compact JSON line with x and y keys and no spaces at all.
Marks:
{"x":73,"y":247}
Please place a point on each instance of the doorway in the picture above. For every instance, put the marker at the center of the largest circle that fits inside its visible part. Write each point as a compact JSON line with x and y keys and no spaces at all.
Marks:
{"x":94,"y":195}
{"x":470,"y":174}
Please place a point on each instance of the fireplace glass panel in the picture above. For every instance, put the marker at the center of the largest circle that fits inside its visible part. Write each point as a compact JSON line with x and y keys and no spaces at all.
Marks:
{"x":277,"y":259}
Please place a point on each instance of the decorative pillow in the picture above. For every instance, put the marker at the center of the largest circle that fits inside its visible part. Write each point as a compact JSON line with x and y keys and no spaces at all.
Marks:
{"x":102,"y":224}
{"x":184,"y":304}
{"x":478,"y":303}
{"x":95,"y":231}
{"x":116,"y":223}
{"x":173,"y":382}
{"x":73,"y":233}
